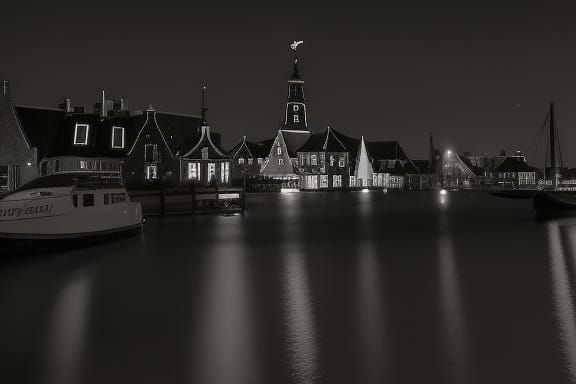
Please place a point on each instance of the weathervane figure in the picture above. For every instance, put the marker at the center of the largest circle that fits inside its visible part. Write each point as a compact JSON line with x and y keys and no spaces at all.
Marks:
{"x":294,"y":47}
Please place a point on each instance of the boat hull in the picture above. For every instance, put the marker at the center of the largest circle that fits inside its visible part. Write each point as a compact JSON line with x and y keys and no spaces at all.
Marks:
{"x":551,"y":204}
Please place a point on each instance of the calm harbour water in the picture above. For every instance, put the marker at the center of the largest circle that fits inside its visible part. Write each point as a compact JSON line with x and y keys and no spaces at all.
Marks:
{"x":304,"y":288}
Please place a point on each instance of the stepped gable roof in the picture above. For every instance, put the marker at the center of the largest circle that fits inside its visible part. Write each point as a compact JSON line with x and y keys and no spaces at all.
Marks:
{"x":205,"y":140}
{"x":255,"y":149}
{"x":41,"y":126}
{"x":515,"y":164}
{"x":294,"y":140}
{"x":326,"y":141}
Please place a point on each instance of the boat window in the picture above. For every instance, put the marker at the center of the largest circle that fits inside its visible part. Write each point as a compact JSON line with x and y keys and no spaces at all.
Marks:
{"x":88,"y":200}
{"x":75,"y":200}
{"x":113,"y":198}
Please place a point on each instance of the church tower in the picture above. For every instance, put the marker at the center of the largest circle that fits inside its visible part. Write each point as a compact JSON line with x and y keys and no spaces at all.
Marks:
{"x":295,"y":118}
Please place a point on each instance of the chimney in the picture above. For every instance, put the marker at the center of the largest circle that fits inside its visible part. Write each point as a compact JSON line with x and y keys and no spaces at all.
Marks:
{"x":66,"y":105}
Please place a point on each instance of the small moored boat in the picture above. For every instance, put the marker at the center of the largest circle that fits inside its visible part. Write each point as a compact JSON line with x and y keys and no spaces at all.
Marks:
{"x":68,"y":206}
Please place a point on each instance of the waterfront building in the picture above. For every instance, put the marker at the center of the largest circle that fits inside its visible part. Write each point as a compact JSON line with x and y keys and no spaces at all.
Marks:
{"x":323,"y":161}
{"x":282,"y":160}
{"x":18,"y":153}
{"x":457,"y":171}
{"x":514,"y":172}
{"x":247,"y":159}
{"x":392,"y":167}
{"x":206,"y":163}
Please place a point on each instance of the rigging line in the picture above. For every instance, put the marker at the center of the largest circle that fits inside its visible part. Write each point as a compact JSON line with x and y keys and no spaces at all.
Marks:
{"x":558,"y":144}
{"x":539,"y":136}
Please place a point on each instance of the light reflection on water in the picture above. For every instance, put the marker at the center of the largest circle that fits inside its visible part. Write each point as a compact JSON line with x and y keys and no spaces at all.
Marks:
{"x":226,"y":334}
{"x":298,"y":307}
{"x":562,"y":240}
{"x":371,"y":316}
{"x":64,"y":348}
{"x":455,"y":332}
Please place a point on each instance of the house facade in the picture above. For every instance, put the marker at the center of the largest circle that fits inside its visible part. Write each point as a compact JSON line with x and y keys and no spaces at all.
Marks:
{"x":514,"y":172}
{"x":323,"y":162}
{"x":247,"y":159}
{"x":18,"y":155}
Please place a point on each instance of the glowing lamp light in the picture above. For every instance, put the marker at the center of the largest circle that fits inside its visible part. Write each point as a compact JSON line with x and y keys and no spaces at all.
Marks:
{"x":29,"y":164}
{"x":365,"y":190}
{"x":448,"y":152}
{"x":289,"y":190}
{"x":385,"y":190}
{"x":443,"y":192}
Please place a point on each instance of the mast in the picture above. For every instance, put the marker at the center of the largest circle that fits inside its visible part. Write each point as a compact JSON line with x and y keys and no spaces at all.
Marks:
{"x":553,"y":164}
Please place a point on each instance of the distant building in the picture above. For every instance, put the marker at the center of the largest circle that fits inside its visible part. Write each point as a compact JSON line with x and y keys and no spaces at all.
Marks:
{"x":514,"y":172}
{"x":248,"y":159}
{"x":206,"y":163}
{"x":281,"y":162}
{"x":323,"y":161}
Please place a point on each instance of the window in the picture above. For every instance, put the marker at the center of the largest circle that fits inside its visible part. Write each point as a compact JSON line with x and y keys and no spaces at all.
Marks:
{"x":204,"y":153}
{"x":337,"y":181}
{"x":211,"y":171}
{"x":332,"y":160}
{"x":352,"y":181}
{"x":4,"y":177}
{"x":81,"y":134}
{"x":295,"y":108}
{"x":341,"y":162}
{"x":151,"y":172}
{"x":313,"y":160}
{"x":83,"y":164}
{"x":323,"y":181}
{"x":279,"y":150}
{"x":118,"y":137}
{"x":250,"y":161}
{"x":193,"y":171}
{"x":241,"y":161}
{"x":260,"y":160}
{"x":113,"y":198}
{"x":150,"y":153}
{"x":280,"y":161}
{"x":88,"y":200}
{"x":296,"y":119}
{"x":224,"y":172}
{"x":57,"y":166}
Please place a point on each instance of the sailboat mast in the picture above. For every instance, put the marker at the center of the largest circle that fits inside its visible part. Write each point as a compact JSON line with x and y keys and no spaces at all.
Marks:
{"x":553,"y":164}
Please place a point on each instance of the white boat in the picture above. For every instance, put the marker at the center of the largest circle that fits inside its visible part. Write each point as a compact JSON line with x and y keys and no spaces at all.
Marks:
{"x":67,"y":206}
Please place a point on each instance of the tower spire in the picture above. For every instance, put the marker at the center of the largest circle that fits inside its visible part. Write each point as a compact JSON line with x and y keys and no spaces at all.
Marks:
{"x":204,"y":107}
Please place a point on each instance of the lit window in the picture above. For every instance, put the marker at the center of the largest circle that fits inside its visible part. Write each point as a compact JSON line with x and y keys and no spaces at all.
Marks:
{"x":193,"y":171}
{"x":250,"y":161}
{"x":211,"y":171}
{"x":224,"y":172}
{"x":151,"y":172}
{"x":241,"y":160}
{"x":279,"y":150}
{"x":260,"y":160}
{"x":341,"y":162}
{"x":280,"y":161}
{"x":352,"y":181}
{"x":296,"y":119}
{"x":151,"y":153}
{"x":337,"y":181}
{"x":295,"y":108}
{"x":82,"y":164}
{"x":332,"y":160}
{"x":313,"y":160}
{"x":81,"y":134}
{"x":204,"y":153}
{"x":323,"y":181}
{"x":118,"y":137}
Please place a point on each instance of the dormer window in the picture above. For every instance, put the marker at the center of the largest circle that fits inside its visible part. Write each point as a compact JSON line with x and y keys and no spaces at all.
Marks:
{"x":118,"y":137}
{"x":81,"y":134}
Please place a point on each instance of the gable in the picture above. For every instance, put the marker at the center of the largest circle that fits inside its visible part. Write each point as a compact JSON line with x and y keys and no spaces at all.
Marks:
{"x":279,"y":162}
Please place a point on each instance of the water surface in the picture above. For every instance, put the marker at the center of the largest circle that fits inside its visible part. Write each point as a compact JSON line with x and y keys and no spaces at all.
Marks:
{"x":304,"y":288}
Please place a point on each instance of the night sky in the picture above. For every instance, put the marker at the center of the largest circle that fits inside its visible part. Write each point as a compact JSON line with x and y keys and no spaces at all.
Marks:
{"x":478,"y":77}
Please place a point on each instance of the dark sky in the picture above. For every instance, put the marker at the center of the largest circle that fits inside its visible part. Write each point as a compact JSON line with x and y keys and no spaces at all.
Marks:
{"x":385,"y":72}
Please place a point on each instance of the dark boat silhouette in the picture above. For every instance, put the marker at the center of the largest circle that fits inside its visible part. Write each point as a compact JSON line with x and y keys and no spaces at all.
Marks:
{"x":514,"y":193}
{"x":554,"y":200}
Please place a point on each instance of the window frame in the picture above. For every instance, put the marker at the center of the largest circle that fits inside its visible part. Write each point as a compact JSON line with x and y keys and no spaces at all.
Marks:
{"x":123,"y":144}
{"x":78,"y":125}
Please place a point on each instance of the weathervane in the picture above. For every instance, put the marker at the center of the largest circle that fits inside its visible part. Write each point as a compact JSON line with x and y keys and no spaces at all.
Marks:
{"x":294,"y":47}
